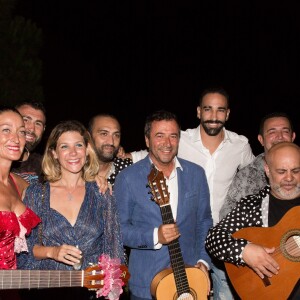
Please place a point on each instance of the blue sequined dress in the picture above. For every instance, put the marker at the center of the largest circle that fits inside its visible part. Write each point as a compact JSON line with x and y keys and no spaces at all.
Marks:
{"x":96,"y":231}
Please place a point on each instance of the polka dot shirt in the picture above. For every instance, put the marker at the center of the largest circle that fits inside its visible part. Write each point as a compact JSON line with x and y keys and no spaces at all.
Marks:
{"x":119,"y":165}
{"x":248,"y":213}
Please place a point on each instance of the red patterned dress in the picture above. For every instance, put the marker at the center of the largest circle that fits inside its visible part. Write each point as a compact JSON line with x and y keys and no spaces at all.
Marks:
{"x":12,"y":234}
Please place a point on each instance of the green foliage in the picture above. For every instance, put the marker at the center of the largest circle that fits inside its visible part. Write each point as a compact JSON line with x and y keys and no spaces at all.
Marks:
{"x":20,"y":66}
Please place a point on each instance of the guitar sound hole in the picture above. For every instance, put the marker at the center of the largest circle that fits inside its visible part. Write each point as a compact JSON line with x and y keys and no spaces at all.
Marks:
{"x":187,"y":296}
{"x":290,"y":245}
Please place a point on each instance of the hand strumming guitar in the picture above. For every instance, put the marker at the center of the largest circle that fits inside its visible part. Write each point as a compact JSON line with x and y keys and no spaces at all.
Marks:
{"x":258,"y":258}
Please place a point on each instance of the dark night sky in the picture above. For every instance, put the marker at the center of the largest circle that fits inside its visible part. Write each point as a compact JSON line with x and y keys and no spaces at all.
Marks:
{"x":132,"y":57}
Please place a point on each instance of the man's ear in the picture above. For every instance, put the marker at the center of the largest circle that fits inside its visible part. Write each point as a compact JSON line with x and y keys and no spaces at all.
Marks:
{"x":260,"y":139}
{"x":228,"y":113}
{"x":147,"y":142}
{"x":198,"y":112}
{"x":267,"y":170}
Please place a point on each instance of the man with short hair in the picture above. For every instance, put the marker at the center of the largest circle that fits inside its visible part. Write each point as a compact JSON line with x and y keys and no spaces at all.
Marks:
{"x":34,"y":116}
{"x":105,"y":131}
{"x":274,"y":128}
{"x":141,"y":219}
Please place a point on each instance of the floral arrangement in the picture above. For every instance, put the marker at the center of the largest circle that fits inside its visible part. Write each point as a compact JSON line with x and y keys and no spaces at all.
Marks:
{"x":112,"y":286}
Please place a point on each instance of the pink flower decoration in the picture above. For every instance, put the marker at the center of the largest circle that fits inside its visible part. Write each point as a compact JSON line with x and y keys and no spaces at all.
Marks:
{"x":112,"y":287}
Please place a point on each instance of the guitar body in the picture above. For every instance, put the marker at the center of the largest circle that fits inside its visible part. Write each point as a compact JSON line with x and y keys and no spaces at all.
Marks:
{"x":282,"y":236}
{"x":163,"y":285}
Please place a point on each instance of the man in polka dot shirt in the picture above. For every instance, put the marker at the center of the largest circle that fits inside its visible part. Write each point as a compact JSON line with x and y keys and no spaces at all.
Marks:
{"x":264,"y":209}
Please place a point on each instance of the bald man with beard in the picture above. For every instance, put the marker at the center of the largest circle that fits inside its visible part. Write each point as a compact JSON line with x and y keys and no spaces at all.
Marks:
{"x":264,"y":209}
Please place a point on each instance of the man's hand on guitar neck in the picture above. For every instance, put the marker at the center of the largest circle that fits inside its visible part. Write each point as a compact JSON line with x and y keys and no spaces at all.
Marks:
{"x":167,"y":233}
{"x":259,"y":259}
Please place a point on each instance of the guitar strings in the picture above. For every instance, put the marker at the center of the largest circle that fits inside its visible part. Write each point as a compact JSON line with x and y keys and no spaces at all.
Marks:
{"x":15,"y":279}
{"x":291,"y":247}
{"x":175,"y":251}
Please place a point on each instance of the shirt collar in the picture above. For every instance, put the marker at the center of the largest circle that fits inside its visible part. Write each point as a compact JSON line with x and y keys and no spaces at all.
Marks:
{"x":176,"y":162}
{"x":226,"y":136}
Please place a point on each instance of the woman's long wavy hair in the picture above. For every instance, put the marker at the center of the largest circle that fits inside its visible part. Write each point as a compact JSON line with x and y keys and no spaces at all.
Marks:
{"x":51,"y":167}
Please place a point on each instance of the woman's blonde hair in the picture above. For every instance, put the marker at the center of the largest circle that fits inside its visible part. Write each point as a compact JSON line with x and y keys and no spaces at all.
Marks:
{"x":50,"y":165}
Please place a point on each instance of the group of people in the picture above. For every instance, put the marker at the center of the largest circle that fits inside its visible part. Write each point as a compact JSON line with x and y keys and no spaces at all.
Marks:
{"x":76,"y":221}
{"x":215,"y":187}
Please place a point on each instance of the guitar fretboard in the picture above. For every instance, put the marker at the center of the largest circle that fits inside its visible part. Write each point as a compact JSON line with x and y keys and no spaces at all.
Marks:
{"x":176,"y":258}
{"x":26,"y":279}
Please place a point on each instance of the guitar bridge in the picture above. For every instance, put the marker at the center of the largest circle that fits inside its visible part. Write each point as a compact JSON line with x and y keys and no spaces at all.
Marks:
{"x":266,"y":281}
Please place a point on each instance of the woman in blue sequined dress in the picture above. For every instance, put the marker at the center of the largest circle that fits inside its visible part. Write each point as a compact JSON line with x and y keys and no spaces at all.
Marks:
{"x":77,"y":221}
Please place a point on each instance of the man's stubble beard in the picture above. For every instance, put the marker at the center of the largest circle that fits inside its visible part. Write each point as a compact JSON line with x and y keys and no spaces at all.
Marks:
{"x":106,"y":158}
{"x":31,"y":146}
{"x":212,"y":131}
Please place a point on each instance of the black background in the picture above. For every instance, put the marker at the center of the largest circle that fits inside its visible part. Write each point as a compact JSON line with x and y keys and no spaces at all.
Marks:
{"x":130,"y":58}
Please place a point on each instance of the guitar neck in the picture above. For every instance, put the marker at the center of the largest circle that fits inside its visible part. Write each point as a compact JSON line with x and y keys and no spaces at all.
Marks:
{"x":176,"y":258}
{"x":27,"y":279}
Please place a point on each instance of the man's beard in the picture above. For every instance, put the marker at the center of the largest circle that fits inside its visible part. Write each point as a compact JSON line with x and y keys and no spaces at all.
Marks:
{"x":32,"y":145}
{"x":287,"y":195}
{"x":212,"y":131}
{"x":106,"y":157}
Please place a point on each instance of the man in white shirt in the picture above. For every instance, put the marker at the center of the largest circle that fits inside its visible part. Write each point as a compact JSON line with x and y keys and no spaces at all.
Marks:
{"x":221,"y":153}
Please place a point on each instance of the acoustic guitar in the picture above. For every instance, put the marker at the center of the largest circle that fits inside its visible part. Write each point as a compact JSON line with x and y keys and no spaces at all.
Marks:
{"x":180,"y":281}
{"x":91,"y":278}
{"x":285,"y":237}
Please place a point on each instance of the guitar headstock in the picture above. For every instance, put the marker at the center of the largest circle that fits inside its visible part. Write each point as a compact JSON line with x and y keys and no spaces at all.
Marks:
{"x":94,"y":277}
{"x":158,"y":186}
